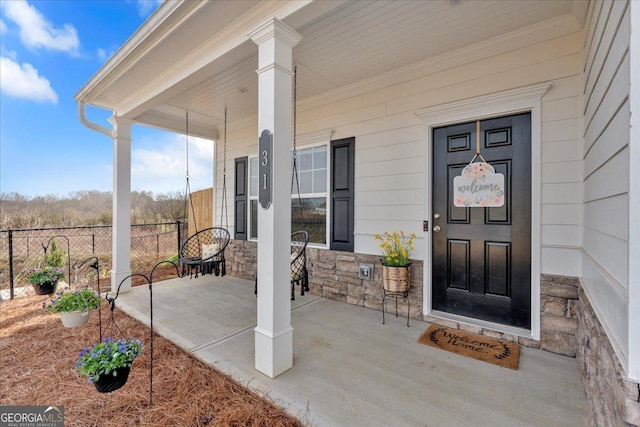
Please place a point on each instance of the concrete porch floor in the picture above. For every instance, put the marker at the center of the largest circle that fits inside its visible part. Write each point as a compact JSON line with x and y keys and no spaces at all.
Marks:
{"x":351,"y":370}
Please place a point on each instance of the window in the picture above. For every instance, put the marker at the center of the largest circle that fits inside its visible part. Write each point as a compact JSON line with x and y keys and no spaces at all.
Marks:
{"x":327,"y":179}
{"x":313,"y":182}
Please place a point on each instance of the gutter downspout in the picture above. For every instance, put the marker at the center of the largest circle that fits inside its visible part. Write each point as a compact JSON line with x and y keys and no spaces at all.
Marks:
{"x":87,"y":123}
{"x":121,"y":224}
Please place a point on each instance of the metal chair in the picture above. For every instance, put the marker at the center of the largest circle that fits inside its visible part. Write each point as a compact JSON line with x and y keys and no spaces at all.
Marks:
{"x":299,"y":273}
{"x":204,"y":252}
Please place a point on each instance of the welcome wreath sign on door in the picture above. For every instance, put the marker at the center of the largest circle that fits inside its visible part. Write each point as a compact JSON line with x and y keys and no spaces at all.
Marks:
{"x":478,"y":186}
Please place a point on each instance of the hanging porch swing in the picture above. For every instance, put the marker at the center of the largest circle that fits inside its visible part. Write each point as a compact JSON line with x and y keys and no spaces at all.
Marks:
{"x":300,"y":238}
{"x":203,"y":252}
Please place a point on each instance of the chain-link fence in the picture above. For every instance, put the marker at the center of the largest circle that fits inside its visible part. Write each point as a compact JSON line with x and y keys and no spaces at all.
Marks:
{"x":21,"y":251}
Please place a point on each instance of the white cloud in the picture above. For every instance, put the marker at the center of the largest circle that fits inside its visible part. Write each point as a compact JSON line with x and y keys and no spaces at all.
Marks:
{"x":102,"y":54}
{"x":163,"y":169}
{"x":10,"y":54}
{"x":37,"y":32}
{"x":24,"y":82}
{"x":3,"y":27}
{"x":145,"y":7}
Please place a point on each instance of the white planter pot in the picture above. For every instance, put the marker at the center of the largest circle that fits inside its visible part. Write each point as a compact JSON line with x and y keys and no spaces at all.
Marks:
{"x":75,"y":318}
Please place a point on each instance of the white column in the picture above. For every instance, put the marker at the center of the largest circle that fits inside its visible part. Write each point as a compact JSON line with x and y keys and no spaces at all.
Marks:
{"x":121,"y":239}
{"x":634,"y":197}
{"x":274,"y":334}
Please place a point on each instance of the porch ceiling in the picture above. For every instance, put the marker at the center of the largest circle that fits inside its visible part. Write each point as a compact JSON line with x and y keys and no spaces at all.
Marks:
{"x":196,"y":56}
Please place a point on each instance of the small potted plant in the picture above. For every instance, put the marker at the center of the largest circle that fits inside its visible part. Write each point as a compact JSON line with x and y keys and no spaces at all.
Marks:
{"x":45,"y":279}
{"x":74,"y":306}
{"x":108,"y":363}
{"x":396,"y":250}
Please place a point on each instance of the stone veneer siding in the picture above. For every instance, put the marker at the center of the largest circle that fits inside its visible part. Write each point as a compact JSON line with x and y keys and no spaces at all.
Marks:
{"x":241,"y":258}
{"x":614,"y":401}
{"x":569,"y":325}
{"x":558,"y":314}
{"x":334,"y":275}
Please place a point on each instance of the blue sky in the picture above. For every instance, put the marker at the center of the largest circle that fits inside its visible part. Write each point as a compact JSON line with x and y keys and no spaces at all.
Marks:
{"x":48,"y":50}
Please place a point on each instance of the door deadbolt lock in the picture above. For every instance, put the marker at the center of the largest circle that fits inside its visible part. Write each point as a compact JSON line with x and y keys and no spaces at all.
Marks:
{"x":436,"y":216}
{"x":436,"y":228}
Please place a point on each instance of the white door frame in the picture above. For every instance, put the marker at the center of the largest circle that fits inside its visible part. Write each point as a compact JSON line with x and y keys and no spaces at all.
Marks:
{"x":524,"y":99}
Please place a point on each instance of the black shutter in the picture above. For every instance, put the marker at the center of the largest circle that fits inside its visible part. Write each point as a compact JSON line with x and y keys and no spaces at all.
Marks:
{"x":342,"y":193}
{"x":240,"y":199}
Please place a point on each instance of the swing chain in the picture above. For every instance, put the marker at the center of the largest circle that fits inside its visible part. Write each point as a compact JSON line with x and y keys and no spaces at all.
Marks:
{"x":224,"y":163}
{"x":187,"y":189}
{"x":295,"y":109}
{"x":187,"y":142}
{"x":295,"y":136}
{"x":224,"y":211}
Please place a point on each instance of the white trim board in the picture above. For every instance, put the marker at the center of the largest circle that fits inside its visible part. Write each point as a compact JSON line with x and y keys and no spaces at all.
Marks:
{"x":524,"y":99}
{"x":633,"y":368}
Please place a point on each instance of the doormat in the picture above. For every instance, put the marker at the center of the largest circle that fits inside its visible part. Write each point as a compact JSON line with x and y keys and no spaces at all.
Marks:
{"x":498,"y":352}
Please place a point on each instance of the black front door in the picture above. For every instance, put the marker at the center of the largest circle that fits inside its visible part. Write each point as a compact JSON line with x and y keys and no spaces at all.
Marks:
{"x":481,"y":265}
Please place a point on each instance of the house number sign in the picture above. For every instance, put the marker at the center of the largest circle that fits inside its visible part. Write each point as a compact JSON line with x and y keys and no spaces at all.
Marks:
{"x":265,"y":148}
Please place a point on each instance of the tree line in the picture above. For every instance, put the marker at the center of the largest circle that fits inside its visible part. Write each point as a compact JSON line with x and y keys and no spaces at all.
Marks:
{"x":85,"y":208}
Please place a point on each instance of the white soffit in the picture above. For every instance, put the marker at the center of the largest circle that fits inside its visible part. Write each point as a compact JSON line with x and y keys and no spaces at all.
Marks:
{"x":343,"y":45}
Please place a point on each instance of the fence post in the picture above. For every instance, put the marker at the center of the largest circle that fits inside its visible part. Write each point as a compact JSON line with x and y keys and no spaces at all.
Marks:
{"x":179,"y":237}
{"x":11,"y":285}
{"x":93,"y":243}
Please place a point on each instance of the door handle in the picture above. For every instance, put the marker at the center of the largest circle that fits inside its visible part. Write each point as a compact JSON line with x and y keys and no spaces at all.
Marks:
{"x":436,"y":228}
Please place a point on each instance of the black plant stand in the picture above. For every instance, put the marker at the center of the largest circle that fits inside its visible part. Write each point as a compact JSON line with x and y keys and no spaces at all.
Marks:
{"x":403,"y":294}
{"x":112,"y":303}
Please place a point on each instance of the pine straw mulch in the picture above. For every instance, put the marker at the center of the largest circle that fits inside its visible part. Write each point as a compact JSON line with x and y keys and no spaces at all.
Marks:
{"x":37,"y":356}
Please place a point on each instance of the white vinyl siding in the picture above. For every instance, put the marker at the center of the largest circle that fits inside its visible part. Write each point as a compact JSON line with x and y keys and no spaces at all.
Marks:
{"x":606,"y":168}
{"x":390,"y":141}
{"x":391,"y":149}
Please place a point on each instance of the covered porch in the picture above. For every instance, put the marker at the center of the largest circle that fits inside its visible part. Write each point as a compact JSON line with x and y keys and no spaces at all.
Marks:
{"x":372,"y":81}
{"x":350,"y":369}
{"x":368,"y":78}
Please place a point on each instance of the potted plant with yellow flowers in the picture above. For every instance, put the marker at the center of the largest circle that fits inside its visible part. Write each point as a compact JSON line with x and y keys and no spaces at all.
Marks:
{"x":396,"y":250}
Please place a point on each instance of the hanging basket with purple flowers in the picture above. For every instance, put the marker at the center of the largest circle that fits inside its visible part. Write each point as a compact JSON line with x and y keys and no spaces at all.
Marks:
{"x":103,"y":363}
{"x":44,"y":280}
